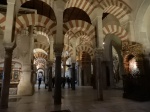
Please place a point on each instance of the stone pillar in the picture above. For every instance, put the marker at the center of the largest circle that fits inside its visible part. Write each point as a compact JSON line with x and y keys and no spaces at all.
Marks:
{"x":131,"y":31}
{"x":25,"y":86}
{"x":99,"y":53}
{"x":6,"y":77}
{"x":57,"y":90}
{"x":64,"y":67}
{"x":9,"y":46}
{"x":50,"y":77}
{"x":73,"y":76}
{"x":99,"y":72}
{"x":94,"y":74}
{"x":80,"y":73}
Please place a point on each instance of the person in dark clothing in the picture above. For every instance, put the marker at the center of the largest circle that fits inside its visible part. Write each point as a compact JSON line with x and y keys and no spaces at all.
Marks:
{"x":63,"y":82}
{"x":40,"y":80}
{"x":68,"y":81}
{"x":53,"y":82}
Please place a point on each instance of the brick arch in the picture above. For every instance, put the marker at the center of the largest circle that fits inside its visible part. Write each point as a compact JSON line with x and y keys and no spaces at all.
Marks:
{"x":40,"y":30}
{"x":69,"y":49}
{"x":41,"y":46}
{"x":35,"y":20}
{"x":48,"y":2}
{"x":116,"y":30}
{"x":2,"y":21}
{"x":118,"y":8}
{"x":40,"y":60}
{"x":40,"y":55}
{"x":85,"y":48}
{"x":84,"y":5}
{"x":79,"y":25}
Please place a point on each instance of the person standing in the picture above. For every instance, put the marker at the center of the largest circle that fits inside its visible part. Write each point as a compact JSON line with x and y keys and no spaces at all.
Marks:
{"x":40,"y":75}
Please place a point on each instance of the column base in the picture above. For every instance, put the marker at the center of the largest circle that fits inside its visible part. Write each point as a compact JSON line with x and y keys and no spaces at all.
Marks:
{"x":3,"y":106}
{"x":25,"y":88}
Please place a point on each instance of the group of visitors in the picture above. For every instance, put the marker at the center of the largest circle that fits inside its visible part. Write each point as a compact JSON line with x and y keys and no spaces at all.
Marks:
{"x":64,"y":80}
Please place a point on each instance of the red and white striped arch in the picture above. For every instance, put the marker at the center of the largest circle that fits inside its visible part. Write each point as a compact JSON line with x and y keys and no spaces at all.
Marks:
{"x":40,"y":55}
{"x":85,"y":48}
{"x":79,"y":25}
{"x":48,"y":2}
{"x":2,"y":21}
{"x":118,"y":8}
{"x":40,"y":63}
{"x":84,"y":5}
{"x":40,"y":60}
{"x":116,"y":30}
{"x":42,"y":31}
{"x":41,"y":46}
{"x":69,"y":49}
{"x":35,"y":20}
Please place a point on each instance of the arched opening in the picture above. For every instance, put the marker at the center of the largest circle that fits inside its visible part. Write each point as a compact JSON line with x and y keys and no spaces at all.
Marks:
{"x":74,"y":13}
{"x":113,"y":67}
{"x":86,"y":69}
{"x":41,"y":7}
{"x":130,"y":65}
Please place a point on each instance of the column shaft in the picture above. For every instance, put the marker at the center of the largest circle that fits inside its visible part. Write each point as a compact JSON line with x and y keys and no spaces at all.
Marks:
{"x":6,"y":78}
{"x":50,"y":79}
{"x":57,"y":90}
{"x":99,"y":76}
{"x":73,"y":76}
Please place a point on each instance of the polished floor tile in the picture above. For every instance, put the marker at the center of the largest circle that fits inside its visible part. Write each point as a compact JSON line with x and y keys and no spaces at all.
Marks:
{"x":83,"y":99}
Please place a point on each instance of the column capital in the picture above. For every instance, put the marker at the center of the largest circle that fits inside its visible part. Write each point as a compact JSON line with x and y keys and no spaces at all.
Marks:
{"x":58,"y":48}
{"x":11,"y":1}
{"x":9,"y":46}
{"x":99,"y":53}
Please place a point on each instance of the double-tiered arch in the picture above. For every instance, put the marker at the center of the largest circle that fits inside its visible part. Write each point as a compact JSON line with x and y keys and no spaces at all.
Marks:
{"x":84,"y":5}
{"x":118,"y":8}
{"x":35,"y":20}
{"x":116,"y":30}
{"x":79,"y":25}
{"x":85,"y":48}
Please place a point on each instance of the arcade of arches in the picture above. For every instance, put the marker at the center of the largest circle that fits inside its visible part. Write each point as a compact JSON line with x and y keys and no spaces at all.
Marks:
{"x":93,"y":42}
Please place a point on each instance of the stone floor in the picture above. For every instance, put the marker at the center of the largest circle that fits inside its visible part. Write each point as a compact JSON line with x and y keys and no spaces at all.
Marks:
{"x":81,"y":100}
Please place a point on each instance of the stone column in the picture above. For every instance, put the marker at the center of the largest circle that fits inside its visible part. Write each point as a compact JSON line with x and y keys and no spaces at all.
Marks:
{"x":9,"y":46}
{"x":99,"y":53}
{"x":73,"y":76}
{"x":57,"y":90}
{"x":50,"y":76}
{"x":25,"y":86}
{"x":94,"y":74}
{"x":80,"y":73}
{"x":6,"y":76}
{"x":131,"y":31}
{"x":64,"y":67}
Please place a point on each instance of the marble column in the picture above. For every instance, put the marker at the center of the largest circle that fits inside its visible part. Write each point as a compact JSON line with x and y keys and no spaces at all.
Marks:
{"x":73,"y":76}
{"x":94,"y":74}
{"x":80,"y":73}
{"x":64,"y":67}
{"x":99,"y":72}
{"x":50,"y":77}
{"x":57,"y":89}
{"x":6,"y":77}
{"x":25,"y":86}
{"x":9,"y":46}
{"x":99,"y":53}
{"x":131,"y":31}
